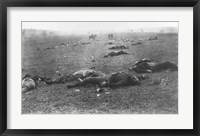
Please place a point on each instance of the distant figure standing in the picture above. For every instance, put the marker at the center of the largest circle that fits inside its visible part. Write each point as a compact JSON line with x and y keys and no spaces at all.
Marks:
{"x":92,"y":36}
{"x":110,"y":36}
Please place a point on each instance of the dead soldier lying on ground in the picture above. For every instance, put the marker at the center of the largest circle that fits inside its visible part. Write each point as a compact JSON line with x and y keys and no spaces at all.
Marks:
{"x":115,"y":53}
{"x":115,"y":80}
{"x":30,"y":82}
{"x":79,"y":75}
{"x":150,"y":66}
{"x":85,"y":77}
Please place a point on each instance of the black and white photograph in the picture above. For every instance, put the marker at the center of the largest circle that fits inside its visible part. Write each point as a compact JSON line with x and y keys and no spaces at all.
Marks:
{"x":99,"y":67}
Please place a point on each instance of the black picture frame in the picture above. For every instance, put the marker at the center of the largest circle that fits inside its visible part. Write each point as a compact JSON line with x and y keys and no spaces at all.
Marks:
{"x":98,"y":3}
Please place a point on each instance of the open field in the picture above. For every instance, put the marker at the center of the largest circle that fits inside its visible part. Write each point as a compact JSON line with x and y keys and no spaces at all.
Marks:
{"x":156,"y":95}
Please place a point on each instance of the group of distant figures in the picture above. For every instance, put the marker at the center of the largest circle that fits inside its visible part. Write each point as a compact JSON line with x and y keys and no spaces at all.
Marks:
{"x":110,"y":36}
{"x":86,"y":77}
{"x":94,"y":36}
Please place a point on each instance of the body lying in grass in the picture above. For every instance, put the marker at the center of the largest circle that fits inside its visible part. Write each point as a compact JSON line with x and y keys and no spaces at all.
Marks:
{"x":79,"y":75}
{"x":115,"y":80}
{"x":149,"y":66}
{"x":118,"y":47}
{"x":152,"y":38}
{"x":30,"y":82}
{"x":136,"y":43}
{"x":115,"y":53}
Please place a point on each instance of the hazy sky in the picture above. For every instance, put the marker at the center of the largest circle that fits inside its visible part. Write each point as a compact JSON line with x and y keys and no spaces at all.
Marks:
{"x":98,"y":27}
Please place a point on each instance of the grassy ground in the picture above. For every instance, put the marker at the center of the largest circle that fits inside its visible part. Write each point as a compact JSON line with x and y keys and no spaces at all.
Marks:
{"x":157,"y":95}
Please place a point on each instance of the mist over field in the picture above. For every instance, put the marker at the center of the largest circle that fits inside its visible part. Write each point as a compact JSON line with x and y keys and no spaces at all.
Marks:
{"x":86,"y":28}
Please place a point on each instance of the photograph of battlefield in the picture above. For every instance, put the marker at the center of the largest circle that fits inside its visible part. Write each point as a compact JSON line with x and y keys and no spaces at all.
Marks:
{"x":99,"y":67}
